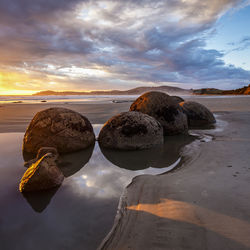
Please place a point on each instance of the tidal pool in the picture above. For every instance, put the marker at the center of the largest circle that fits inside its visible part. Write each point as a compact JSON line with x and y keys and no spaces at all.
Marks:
{"x":80,"y":213}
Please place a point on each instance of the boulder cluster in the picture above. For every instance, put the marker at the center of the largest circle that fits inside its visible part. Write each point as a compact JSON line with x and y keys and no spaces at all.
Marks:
{"x":56,"y":131}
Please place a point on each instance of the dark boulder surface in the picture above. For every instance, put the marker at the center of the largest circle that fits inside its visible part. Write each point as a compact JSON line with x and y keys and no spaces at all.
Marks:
{"x":198,"y":115}
{"x":42,"y":175}
{"x":131,"y":130}
{"x":41,"y":152}
{"x":164,"y":109}
{"x":44,"y":150}
{"x":61,"y":128}
{"x":177,"y":99}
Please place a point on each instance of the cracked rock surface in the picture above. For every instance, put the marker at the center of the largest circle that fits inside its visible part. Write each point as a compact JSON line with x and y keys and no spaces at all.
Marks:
{"x":61,"y":128}
{"x":198,"y":115}
{"x":164,"y":109}
{"x":131,"y":130}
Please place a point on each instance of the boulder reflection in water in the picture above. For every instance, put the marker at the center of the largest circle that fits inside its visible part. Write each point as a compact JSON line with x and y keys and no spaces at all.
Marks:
{"x":158,"y":157}
{"x":73,"y":162}
{"x":39,"y":200}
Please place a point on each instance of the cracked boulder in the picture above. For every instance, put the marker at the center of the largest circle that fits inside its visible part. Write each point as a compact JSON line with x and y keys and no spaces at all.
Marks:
{"x":198,"y":115}
{"x":61,"y":128}
{"x":164,"y":109}
{"x":131,"y":130}
{"x":42,"y":175}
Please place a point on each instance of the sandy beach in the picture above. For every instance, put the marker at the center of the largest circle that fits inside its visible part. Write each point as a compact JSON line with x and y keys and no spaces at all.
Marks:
{"x":204,"y":204}
{"x":15,"y":117}
{"x":201,"y":204}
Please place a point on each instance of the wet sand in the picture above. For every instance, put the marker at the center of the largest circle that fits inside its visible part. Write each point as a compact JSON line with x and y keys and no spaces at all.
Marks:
{"x":80,"y":213}
{"x":204,"y":204}
{"x":16,"y":117}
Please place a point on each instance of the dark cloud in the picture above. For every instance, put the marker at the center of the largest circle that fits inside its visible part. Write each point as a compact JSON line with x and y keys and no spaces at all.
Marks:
{"x":134,"y":42}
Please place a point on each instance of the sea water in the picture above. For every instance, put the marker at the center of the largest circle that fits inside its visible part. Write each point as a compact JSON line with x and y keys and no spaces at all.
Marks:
{"x":80,"y":213}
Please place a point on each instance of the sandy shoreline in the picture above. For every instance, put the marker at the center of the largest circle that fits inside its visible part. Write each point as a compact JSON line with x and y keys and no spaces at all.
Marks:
{"x":16,"y":117}
{"x":202,"y":205}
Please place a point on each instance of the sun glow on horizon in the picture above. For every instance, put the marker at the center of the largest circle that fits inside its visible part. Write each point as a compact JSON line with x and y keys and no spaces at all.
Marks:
{"x":12,"y":83}
{"x":16,"y":92}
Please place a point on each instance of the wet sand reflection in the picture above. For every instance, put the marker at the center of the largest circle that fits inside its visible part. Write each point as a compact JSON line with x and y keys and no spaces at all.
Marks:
{"x":160,"y":156}
{"x":227,"y":226}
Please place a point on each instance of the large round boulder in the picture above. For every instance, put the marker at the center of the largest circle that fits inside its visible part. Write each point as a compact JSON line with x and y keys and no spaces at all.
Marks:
{"x":61,"y":128}
{"x":131,"y":130}
{"x":198,"y":115}
{"x":41,"y":175}
{"x":164,"y":109}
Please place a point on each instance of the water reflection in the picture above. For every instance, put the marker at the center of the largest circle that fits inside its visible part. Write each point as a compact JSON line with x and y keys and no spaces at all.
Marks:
{"x":95,"y":174}
{"x":161,"y":156}
{"x":81,"y":211}
{"x":69,"y":164}
{"x":40,"y":200}
{"x":73,"y":162}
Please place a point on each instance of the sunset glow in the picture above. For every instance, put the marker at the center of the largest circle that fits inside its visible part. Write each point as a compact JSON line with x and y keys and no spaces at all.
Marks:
{"x":96,"y":45}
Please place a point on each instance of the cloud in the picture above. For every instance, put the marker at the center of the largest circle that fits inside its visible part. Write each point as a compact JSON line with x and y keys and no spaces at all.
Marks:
{"x":243,"y":44}
{"x":113,"y":44}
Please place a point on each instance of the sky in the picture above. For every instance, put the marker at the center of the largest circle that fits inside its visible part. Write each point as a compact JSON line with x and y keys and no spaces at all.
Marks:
{"x":85,"y":45}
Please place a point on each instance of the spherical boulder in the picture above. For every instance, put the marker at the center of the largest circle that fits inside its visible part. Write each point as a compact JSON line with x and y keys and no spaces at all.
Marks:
{"x":131,"y":130}
{"x":61,"y":128}
{"x":164,"y":109}
{"x":198,"y":115}
{"x":41,"y":175}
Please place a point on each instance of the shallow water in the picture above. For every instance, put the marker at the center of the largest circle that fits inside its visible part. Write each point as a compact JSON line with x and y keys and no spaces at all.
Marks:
{"x":96,"y":98}
{"x":79,"y":213}
{"x":66,"y":98}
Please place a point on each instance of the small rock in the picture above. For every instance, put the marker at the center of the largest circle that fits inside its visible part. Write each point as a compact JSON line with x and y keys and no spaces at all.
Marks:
{"x":41,"y":152}
{"x":131,"y":130}
{"x":41,"y":175}
{"x":44,"y":150}
{"x":164,"y":109}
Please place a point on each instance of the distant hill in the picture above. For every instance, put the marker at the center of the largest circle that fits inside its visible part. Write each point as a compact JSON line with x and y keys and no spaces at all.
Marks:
{"x":241,"y":91}
{"x":140,"y":90}
{"x":135,"y":91}
{"x":211,"y":91}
